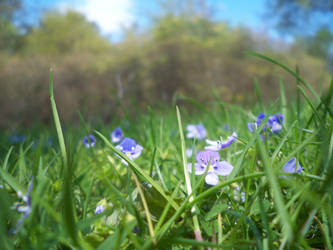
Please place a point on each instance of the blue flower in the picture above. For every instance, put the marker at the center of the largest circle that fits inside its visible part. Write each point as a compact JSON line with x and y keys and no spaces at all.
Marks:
{"x":252,"y":126}
{"x":116,"y":135}
{"x":189,"y":152}
{"x":101,"y":206}
{"x":275,"y":122}
{"x":218,"y":145}
{"x":129,"y":147}
{"x":89,"y":141}
{"x":215,"y":168}
{"x":17,"y":138}
{"x":197,"y":131}
{"x":23,"y":207}
{"x":290,"y":167}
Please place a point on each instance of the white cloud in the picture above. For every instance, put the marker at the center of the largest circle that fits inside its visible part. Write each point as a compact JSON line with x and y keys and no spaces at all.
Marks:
{"x":109,"y":15}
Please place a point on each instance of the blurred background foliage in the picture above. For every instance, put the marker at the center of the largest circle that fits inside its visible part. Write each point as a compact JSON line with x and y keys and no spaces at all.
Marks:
{"x":183,"y":52}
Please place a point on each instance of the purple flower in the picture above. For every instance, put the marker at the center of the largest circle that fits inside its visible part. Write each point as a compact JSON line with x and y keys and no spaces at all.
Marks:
{"x":215,"y":168}
{"x":260,"y":118}
{"x":218,"y":145}
{"x":252,"y":126}
{"x":275,"y":122}
{"x":17,"y":138}
{"x":129,"y":147}
{"x":197,"y":131}
{"x":225,"y":127}
{"x":239,"y":195}
{"x":23,"y":207}
{"x":101,"y":206}
{"x":116,"y":135}
{"x":290,"y":167}
{"x":189,"y":152}
{"x":99,"y":209}
{"x":89,"y":141}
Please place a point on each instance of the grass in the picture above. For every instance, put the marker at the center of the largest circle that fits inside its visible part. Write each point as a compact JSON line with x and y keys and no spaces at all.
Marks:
{"x":156,"y":202}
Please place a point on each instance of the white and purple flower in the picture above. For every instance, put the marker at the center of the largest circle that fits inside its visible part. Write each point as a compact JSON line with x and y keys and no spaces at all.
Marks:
{"x":117,"y":135}
{"x":22,"y":207}
{"x":89,"y":141}
{"x":197,"y":131}
{"x":129,"y":147}
{"x":211,"y":160}
{"x":218,"y":145}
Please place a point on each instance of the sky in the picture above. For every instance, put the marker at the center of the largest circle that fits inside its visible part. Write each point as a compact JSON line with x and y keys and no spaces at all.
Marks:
{"x":112,"y":16}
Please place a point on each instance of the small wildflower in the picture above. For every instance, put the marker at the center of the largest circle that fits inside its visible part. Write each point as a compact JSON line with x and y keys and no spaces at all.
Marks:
{"x":218,"y":145}
{"x":290,"y":167}
{"x":237,"y":192}
{"x":129,"y":147}
{"x":17,"y":138}
{"x":216,"y":167}
{"x":275,"y":122}
{"x":252,"y":126}
{"x":189,"y":152}
{"x":116,"y":135}
{"x":197,"y":131}
{"x":24,"y":207}
{"x":101,"y":206}
{"x":89,"y":141}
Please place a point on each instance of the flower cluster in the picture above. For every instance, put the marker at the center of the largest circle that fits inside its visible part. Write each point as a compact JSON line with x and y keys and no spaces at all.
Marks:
{"x":23,"y":207}
{"x":209,"y":161}
{"x":197,"y":131}
{"x":274,"y":123}
{"x":89,"y":141}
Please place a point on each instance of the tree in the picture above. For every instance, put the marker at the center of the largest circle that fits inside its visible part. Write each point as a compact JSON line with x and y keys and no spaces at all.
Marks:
{"x":308,"y":20}
{"x":8,"y":32}
{"x":63,"y":33}
{"x":305,"y":16}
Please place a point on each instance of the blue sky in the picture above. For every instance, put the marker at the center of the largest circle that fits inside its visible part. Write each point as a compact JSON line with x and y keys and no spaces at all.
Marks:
{"x":112,"y":15}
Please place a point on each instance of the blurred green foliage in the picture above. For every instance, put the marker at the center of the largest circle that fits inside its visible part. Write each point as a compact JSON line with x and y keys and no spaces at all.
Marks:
{"x":178,"y":55}
{"x":62,"y":34}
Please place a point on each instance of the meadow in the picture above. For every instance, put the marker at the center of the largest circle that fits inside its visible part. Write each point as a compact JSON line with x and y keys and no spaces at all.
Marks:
{"x":263,"y":180}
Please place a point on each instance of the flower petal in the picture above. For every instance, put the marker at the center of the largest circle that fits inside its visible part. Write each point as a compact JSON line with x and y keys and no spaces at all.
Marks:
{"x":223,"y":168}
{"x":199,"y":169}
{"x":290,"y":166}
{"x":214,"y":145}
{"x":229,"y":141}
{"x":251,"y":126}
{"x":188,"y":152}
{"x":276,"y":127}
{"x":212,"y":179}
{"x":137,"y":151}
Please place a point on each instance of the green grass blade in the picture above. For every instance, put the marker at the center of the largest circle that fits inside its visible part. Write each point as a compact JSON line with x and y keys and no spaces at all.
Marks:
{"x":140,"y":171}
{"x":306,"y":84}
{"x":57,"y":122}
